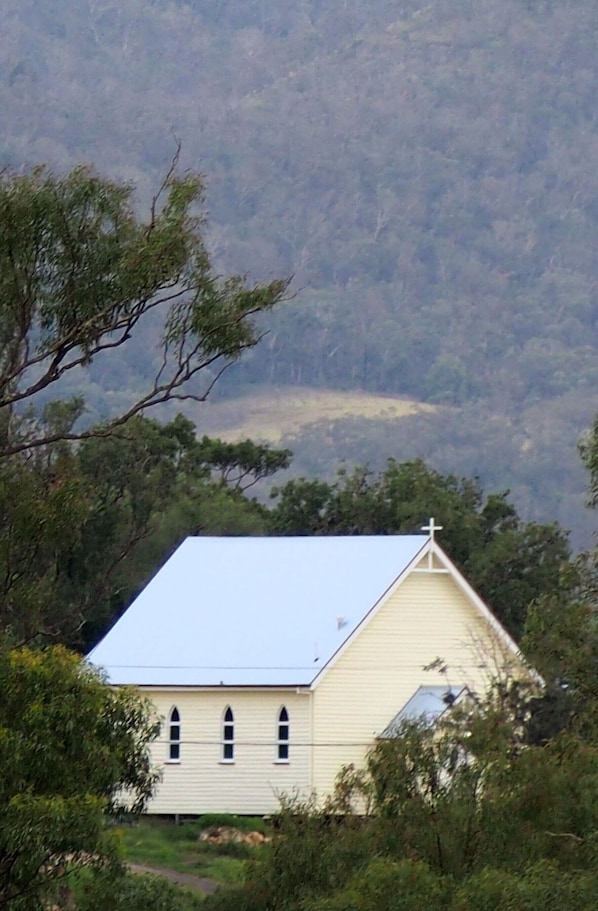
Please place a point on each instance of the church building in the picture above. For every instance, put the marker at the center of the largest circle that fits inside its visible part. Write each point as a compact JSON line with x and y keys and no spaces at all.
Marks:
{"x":273,"y":662}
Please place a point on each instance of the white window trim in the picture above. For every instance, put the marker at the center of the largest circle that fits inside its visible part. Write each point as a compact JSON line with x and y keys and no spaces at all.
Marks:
{"x":225,"y":742}
{"x":176,"y":742}
{"x":286,"y":742}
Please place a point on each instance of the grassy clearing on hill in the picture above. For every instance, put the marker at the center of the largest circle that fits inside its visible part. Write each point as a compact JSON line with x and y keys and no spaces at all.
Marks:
{"x":162,"y":844}
{"x":272,"y":413}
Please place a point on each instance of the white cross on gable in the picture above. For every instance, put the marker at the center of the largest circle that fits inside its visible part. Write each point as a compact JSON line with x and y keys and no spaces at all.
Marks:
{"x":432,"y":528}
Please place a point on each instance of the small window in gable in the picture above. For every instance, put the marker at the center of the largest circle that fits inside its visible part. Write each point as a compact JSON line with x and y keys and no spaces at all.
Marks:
{"x":282,"y":748}
{"x":228,"y":736}
{"x":174,"y":736}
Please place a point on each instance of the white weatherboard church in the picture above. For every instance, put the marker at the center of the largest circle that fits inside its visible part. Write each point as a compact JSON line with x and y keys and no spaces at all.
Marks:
{"x":275,"y":661}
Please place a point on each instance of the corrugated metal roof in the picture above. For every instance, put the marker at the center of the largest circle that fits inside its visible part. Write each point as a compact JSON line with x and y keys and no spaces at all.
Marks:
{"x":427,"y":704}
{"x":251,"y":611}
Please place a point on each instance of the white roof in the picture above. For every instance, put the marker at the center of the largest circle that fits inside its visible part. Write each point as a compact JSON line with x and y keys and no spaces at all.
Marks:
{"x":252,"y":611}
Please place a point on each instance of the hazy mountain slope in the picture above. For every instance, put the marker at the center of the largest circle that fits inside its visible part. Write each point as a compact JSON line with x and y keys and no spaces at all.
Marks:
{"x":425,"y":170}
{"x":530,"y":453}
{"x":433,"y":182}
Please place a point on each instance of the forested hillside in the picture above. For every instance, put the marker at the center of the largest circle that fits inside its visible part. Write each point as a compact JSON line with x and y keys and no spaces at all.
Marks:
{"x":425,"y":171}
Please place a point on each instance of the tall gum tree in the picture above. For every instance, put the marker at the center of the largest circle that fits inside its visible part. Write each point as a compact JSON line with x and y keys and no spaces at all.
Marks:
{"x":80,"y":273}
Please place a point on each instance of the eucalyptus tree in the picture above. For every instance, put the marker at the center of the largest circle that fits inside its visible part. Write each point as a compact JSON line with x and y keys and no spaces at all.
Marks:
{"x":81,"y":274}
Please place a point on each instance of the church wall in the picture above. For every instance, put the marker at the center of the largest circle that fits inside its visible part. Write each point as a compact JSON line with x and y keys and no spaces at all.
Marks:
{"x":201,"y":782}
{"x":427,"y":617}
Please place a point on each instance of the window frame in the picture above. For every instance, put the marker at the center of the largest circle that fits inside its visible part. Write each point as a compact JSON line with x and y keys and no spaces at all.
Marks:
{"x":174,"y":742}
{"x":227,"y":742}
{"x":283,"y":737}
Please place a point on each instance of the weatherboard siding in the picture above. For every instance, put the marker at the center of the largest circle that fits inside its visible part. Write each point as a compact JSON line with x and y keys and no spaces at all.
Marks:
{"x":201,"y":782}
{"x":425,"y":618}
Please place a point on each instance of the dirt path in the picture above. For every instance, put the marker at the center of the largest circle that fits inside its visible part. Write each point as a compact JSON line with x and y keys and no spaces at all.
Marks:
{"x":197,"y":883}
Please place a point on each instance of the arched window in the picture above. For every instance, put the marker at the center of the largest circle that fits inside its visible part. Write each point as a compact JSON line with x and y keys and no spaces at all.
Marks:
{"x":228,"y":735}
{"x":282,"y":740}
{"x":174,"y":736}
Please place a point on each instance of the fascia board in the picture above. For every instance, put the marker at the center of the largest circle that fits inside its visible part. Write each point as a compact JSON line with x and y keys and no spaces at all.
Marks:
{"x":198,"y":688}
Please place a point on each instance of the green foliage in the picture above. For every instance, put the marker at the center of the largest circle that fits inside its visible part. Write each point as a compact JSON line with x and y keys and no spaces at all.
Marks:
{"x":561,"y":641}
{"x":385,"y":885}
{"x":71,"y":751}
{"x":251,"y":896}
{"x":474,"y":795}
{"x":241,"y":464}
{"x":312,"y":853}
{"x":466,"y":815}
{"x":543,"y":887}
{"x":124,"y":891}
{"x":80,"y":274}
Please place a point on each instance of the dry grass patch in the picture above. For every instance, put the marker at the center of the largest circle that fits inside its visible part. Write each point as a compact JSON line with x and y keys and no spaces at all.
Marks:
{"x":271,"y":414}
